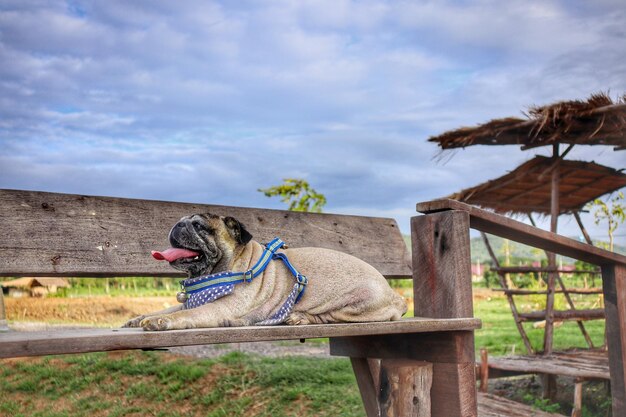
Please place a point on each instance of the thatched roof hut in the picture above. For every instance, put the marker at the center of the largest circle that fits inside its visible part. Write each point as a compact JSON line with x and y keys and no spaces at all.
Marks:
{"x":528,"y":188}
{"x":596,"y":121}
{"x":35,"y":286}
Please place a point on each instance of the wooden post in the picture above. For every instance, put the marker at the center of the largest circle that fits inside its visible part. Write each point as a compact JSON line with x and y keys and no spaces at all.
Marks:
{"x":554,"y":216}
{"x":582,"y":228}
{"x":404,"y":388}
{"x":614,"y":287}
{"x":577,"y":411}
{"x":442,"y":287}
{"x":3,"y":317}
{"x":549,"y":381}
{"x":484,"y":370}
{"x":367,"y":387}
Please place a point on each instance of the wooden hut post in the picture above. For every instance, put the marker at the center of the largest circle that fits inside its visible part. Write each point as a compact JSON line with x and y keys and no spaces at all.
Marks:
{"x":614,"y":287}
{"x":549,"y":381}
{"x":3,"y":318}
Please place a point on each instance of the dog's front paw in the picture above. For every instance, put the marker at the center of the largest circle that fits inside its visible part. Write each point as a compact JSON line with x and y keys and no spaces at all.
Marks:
{"x":156,"y":323}
{"x":136,"y":322}
{"x":297,"y":319}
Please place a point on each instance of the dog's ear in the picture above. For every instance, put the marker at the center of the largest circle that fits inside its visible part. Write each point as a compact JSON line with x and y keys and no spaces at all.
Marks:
{"x":237,"y":230}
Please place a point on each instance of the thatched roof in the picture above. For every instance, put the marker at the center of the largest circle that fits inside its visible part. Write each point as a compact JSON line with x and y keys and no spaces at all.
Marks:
{"x":527,"y":189}
{"x":30,"y":282}
{"x":597,"y":121}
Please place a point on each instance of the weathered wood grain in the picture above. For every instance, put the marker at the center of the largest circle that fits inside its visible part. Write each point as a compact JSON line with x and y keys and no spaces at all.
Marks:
{"x":16,"y":344}
{"x":498,"y":225}
{"x":365,"y":381}
{"x":493,"y":406}
{"x":444,"y":347}
{"x":516,"y":291}
{"x":50,"y":234}
{"x":442,"y":284}
{"x":614,"y":284}
{"x":564,"y":315}
{"x":405,"y":388}
{"x":442,"y":288}
{"x":588,"y":364}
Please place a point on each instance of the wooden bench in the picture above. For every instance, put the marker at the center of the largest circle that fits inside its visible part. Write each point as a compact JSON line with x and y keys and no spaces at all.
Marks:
{"x":48,"y":234}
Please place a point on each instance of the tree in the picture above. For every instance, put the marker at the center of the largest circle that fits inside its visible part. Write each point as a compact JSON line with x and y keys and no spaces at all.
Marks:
{"x":298,"y":193}
{"x":615,"y":214}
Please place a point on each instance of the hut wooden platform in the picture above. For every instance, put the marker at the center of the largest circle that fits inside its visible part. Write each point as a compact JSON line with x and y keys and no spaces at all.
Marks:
{"x":579,"y":364}
{"x":494,"y":406}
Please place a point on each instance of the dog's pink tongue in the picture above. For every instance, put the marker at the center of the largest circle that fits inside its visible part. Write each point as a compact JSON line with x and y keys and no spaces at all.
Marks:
{"x":171,"y":254}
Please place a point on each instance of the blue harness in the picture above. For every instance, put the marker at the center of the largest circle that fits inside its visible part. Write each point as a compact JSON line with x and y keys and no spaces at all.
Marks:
{"x":208,"y":288}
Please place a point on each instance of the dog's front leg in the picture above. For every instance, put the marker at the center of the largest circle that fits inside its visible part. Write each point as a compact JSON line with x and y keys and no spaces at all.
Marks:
{"x":136,"y":321}
{"x":209,"y":315}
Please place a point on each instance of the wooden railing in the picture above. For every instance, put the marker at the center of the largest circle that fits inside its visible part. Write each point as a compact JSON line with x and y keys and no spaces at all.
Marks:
{"x":613,"y":267}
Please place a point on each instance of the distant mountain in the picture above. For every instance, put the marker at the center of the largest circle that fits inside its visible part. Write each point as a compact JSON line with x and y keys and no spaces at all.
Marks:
{"x":516,"y":250}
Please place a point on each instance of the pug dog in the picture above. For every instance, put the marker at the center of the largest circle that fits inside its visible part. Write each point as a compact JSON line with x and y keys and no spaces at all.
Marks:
{"x":341,"y":287}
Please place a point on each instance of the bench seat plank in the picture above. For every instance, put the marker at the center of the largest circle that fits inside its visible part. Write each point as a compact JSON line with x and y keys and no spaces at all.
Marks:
{"x":49,"y":342}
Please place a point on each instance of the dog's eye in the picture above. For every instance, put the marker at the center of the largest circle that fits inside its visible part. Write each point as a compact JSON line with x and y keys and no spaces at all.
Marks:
{"x":201,"y":227}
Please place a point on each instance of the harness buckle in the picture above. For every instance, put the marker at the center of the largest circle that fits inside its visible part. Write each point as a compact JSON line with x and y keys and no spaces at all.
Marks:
{"x":302,"y":280}
{"x":248,"y":275}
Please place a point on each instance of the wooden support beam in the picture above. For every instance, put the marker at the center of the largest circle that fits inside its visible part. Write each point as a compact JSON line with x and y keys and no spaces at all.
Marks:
{"x":548,"y":334}
{"x":582,"y":291}
{"x":577,"y":411}
{"x":509,"y":298}
{"x":484,"y":370}
{"x":365,"y":381}
{"x":527,"y":269}
{"x":442,"y":288}
{"x":405,"y":388}
{"x":565,"y":315}
{"x":517,"y":231}
{"x":582,"y":228}
{"x":3,"y":318}
{"x":614,"y":284}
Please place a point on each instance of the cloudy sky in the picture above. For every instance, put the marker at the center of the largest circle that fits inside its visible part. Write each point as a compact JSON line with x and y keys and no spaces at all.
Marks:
{"x":201,"y":101}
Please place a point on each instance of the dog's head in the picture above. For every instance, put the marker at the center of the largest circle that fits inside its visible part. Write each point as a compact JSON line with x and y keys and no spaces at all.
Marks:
{"x":204,"y":243}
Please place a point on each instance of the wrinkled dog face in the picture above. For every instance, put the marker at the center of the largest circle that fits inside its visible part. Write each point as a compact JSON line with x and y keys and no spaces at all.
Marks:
{"x":214,"y":238}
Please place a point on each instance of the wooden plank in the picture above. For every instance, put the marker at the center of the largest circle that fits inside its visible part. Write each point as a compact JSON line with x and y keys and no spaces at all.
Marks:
{"x":582,"y":291}
{"x":527,"y":269}
{"x":498,"y":225}
{"x":504,"y":284}
{"x":50,"y":234}
{"x":444,"y":347}
{"x":614,"y":284}
{"x":490,"y":405}
{"x":15,"y":344}
{"x":442,"y":288}
{"x":405,"y":388}
{"x":364,"y":380}
{"x":593,"y":365}
{"x":565,"y":315}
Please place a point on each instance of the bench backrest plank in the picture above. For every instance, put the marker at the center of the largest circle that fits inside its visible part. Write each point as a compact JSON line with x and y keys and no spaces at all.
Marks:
{"x":51,"y":234}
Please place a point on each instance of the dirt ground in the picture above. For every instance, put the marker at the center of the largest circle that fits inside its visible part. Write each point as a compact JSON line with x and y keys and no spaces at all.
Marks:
{"x":96,"y":311}
{"x":100,"y":310}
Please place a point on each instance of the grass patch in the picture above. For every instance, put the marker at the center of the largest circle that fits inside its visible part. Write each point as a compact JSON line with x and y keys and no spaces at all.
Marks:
{"x":499,"y":333}
{"x":151,"y":383}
